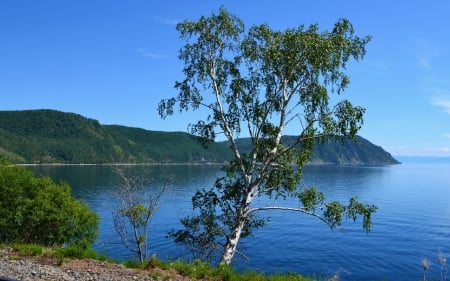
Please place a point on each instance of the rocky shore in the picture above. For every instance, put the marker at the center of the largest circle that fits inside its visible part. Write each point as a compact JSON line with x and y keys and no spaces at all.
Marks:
{"x":14,"y":267}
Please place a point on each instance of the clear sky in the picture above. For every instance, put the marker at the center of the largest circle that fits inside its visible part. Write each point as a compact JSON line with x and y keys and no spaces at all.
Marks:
{"x":114,"y":60}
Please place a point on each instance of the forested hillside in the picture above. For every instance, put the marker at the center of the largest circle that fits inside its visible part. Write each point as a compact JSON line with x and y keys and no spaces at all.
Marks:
{"x":49,"y":136}
{"x":341,"y":151}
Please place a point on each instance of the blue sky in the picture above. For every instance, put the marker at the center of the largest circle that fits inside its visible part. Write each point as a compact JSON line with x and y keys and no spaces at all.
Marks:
{"x":115,"y":60}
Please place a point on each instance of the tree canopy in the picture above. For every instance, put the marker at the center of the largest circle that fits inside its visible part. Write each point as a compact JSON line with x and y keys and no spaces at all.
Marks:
{"x":261,"y":82}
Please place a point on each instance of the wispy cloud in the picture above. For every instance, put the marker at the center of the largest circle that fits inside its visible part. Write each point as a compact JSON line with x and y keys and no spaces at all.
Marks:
{"x":166,"y":21}
{"x":442,"y":102}
{"x":425,"y":62}
{"x":425,"y":52}
{"x":151,"y":55}
{"x":378,"y":66}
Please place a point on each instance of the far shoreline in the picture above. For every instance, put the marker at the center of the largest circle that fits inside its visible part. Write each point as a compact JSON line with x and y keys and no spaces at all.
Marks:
{"x":191,"y":164}
{"x":122,"y":164}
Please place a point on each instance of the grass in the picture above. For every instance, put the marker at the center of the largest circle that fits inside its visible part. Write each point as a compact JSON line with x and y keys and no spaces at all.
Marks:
{"x":56,"y":252}
{"x":29,"y":249}
{"x":201,"y":270}
{"x":195,"y":270}
{"x":79,"y":253}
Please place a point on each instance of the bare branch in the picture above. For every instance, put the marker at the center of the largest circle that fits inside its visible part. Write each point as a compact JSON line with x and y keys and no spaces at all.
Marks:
{"x":136,"y":208}
{"x":280,"y":208}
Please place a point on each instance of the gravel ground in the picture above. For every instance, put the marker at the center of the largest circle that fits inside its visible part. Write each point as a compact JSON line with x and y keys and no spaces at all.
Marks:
{"x":13,"y":267}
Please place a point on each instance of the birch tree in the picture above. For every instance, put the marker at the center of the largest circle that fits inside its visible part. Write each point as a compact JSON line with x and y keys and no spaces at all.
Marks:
{"x":260,"y":83}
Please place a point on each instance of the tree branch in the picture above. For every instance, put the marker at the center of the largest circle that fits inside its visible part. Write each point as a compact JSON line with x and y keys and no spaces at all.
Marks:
{"x":280,"y":208}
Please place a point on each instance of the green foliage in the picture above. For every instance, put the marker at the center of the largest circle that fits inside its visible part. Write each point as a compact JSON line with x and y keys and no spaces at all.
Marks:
{"x":36,"y":210}
{"x":133,"y":264}
{"x":153,"y":262}
{"x":264,"y":81}
{"x":196,"y":270}
{"x":49,"y":136}
{"x":28,"y":249}
{"x":349,"y":151}
{"x":200,"y":235}
{"x":78,"y":253}
{"x":199,"y":270}
{"x":37,"y":250}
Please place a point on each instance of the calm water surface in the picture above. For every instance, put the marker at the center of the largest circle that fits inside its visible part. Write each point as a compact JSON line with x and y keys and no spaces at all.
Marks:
{"x":412,"y":221}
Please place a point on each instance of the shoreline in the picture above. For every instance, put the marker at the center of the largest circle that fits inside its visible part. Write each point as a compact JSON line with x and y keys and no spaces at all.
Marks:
{"x":191,"y":164}
{"x":122,"y":164}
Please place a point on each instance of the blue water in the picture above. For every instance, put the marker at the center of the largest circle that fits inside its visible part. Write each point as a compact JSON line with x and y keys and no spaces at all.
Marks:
{"x":412,"y":221}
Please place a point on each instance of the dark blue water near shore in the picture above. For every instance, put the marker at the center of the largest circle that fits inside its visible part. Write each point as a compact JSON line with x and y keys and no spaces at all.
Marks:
{"x":412,"y":221}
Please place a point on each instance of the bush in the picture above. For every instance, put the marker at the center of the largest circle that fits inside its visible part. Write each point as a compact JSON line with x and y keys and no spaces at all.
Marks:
{"x":37,"y":210}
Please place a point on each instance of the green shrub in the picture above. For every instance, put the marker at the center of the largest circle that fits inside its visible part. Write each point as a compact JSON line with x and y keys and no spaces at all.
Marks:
{"x":39,"y":211}
{"x":226,"y":272}
{"x":152,"y":263}
{"x":181,"y":267}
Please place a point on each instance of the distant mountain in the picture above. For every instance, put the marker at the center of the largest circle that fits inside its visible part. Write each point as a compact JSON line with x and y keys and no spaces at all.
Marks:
{"x":50,"y":136}
{"x":353,"y":152}
{"x":342,"y":151}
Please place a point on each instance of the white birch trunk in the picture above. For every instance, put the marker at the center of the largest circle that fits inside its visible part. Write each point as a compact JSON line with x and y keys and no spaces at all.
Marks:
{"x":230,"y":247}
{"x":232,"y":241}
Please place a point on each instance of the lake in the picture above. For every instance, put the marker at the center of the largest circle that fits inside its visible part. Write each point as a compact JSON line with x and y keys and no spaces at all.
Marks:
{"x":412,"y":221}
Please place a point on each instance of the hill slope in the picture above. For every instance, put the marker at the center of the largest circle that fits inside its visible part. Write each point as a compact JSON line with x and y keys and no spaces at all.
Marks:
{"x":49,"y":136}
